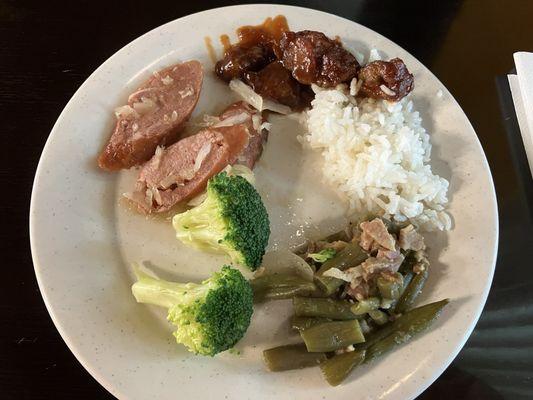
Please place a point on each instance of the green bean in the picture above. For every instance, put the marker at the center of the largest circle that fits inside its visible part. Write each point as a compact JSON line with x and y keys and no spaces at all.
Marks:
{"x":407,"y":278}
{"x":280,"y":286}
{"x":292,"y":356}
{"x":408,"y":263}
{"x":351,"y":256}
{"x":374,"y":337}
{"x":302,"y":323}
{"x":390,"y":289}
{"x":364,"y":306}
{"x":405,"y":327}
{"x":411,"y":292}
{"x":387,"y":304}
{"x":331,"y":336}
{"x":325,"y":308}
{"x":337,"y":368}
{"x":379,"y":317}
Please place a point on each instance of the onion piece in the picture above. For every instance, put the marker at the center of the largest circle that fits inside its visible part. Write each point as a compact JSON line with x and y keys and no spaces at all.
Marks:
{"x":240,"y":170}
{"x":265,"y":126}
{"x":138,"y":93}
{"x":348,"y":275}
{"x":157,"y":156}
{"x":167,"y":182}
{"x":202,"y":154}
{"x":167,"y":80}
{"x":125,"y":111}
{"x":144,"y":106}
{"x":285,"y":262}
{"x":156,"y":195}
{"x":233,"y":120}
{"x":255,"y":100}
{"x":256,"y":122}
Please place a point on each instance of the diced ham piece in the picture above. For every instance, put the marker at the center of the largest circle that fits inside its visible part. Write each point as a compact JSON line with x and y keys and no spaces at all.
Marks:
{"x":374,"y":234}
{"x":410,"y":239}
{"x":373,"y":265}
{"x":154,"y":116}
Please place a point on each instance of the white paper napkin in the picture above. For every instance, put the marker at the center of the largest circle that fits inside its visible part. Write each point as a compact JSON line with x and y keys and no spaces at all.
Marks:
{"x":521,"y":86}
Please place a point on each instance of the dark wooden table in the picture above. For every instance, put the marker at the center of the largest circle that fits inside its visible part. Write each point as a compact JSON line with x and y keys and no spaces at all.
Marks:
{"x":48,"y":48}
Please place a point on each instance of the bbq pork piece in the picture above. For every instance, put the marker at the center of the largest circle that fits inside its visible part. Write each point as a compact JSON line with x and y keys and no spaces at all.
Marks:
{"x":275,"y":82}
{"x":314,"y":58}
{"x":154,"y":116}
{"x":181,"y":171}
{"x":239,"y":59}
{"x":388,"y":80}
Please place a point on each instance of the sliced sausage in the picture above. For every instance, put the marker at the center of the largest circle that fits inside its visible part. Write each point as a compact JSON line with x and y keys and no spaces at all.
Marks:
{"x":182,"y":170}
{"x":154,"y":116}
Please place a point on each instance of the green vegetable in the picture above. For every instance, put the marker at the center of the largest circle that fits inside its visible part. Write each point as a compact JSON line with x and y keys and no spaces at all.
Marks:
{"x":337,"y":368}
{"x":210,"y":317}
{"x":379,"y":317}
{"x":408,"y":262}
{"x":302,"y":323}
{"x":351,"y":256}
{"x":375,"y":337}
{"x":390,"y":289}
{"x":331,"y":336}
{"x":280,"y":286}
{"x":325,"y":308}
{"x":232,"y":219}
{"x":412,"y":291}
{"x":323,"y":255}
{"x":293,"y":356}
{"x":364,"y":306}
{"x":405,"y":327}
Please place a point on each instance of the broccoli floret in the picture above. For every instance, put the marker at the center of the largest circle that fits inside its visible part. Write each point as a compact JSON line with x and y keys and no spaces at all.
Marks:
{"x":210,"y":317}
{"x":232,"y":219}
{"x":323,"y":255}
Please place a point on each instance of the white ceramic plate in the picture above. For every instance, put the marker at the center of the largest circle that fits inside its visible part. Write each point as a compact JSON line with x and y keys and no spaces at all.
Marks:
{"x":83,"y":240}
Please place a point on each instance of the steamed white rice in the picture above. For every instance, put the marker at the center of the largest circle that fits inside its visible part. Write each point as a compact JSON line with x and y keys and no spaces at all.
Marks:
{"x":377,"y":154}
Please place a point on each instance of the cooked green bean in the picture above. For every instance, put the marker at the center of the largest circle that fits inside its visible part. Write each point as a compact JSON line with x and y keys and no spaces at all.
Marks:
{"x":374,"y":337}
{"x":351,"y":256}
{"x":407,"y":278}
{"x":379,"y":317}
{"x":292,"y":356}
{"x":325,"y":308}
{"x":387,"y":304}
{"x":330,"y":336}
{"x":302,"y":323}
{"x":405,"y":327}
{"x":337,"y":368}
{"x":364,"y":306}
{"x":411,"y":292}
{"x":408,"y":263}
{"x":390,"y":289}
{"x":280,"y":286}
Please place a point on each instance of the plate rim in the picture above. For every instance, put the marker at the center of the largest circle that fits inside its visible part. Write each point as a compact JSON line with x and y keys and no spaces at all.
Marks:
{"x":100,"y":377}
